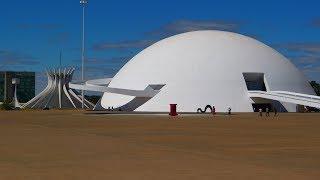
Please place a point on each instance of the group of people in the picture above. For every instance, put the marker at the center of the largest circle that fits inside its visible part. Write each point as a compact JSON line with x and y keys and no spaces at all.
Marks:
{"x":213,"y":110}
{"x":268,"y":112}
{"x":112,"y":109}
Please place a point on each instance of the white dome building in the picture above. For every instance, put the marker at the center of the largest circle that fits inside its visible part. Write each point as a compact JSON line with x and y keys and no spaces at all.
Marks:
{"x":210,"y":68}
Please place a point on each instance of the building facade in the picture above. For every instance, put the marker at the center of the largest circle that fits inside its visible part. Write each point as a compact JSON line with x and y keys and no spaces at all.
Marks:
{"x":25,"y":90}
{"x":194,"y":70}
{"x":223,"y":69}
{"x":57,"y":94}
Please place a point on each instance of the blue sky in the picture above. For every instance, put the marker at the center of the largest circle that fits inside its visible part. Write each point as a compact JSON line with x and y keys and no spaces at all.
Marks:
{"x":33,"y":32}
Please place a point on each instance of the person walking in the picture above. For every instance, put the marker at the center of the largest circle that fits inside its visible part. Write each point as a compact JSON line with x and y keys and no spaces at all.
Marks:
{"x":229,"y":111}
{"x":213,"y":111}
{"x":260,"y":112}
{"x":267,"y":112}
{"x":275,"y":112}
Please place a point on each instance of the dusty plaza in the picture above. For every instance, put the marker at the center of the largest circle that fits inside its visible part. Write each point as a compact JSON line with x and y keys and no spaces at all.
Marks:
{"x":84,"y":145}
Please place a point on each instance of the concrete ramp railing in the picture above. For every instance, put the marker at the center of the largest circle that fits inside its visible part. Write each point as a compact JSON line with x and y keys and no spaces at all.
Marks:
{"x":101,"y":85}
{"x":289,"y":97}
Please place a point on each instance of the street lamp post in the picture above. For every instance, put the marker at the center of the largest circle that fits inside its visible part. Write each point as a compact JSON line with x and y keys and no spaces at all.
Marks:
{"x":83,"y":3}
{"x":15,"y":102}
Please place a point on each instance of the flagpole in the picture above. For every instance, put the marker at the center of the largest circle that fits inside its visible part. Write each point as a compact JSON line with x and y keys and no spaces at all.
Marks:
{"x":83,"y":4}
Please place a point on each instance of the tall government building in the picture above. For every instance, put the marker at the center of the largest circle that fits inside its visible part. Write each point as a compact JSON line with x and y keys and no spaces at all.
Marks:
{"x":25,"y":90}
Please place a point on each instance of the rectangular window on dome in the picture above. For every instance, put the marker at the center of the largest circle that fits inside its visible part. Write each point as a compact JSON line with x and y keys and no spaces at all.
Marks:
{"x":255,"y":81}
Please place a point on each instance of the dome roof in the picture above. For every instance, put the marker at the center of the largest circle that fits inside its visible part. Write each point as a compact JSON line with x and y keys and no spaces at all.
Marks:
{"x":204,"y":67}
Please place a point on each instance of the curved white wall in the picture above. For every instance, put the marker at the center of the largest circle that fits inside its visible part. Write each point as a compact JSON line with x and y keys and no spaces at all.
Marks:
{"x":204,"y":67}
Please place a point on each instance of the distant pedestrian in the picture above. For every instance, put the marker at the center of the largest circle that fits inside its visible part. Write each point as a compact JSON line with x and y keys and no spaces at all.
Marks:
{"x":213,"y":110}
{"x":275,"y":112}
{"x":260,"y":112}
{"x":229,"y":111}
{"x":267,"y":112}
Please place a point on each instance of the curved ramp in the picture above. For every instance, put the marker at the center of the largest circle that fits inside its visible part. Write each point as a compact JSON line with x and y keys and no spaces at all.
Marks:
{"x":101,"y":85}
{"x":289,"y":97}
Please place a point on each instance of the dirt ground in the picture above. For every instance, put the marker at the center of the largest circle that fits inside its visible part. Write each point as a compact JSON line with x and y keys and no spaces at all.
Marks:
{"x":75,"y":145}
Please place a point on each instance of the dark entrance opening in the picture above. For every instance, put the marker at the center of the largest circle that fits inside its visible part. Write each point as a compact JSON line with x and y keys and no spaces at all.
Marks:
{"x":255,"y":81}
{"x":262,"y":106}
